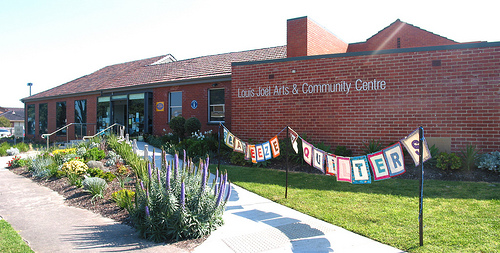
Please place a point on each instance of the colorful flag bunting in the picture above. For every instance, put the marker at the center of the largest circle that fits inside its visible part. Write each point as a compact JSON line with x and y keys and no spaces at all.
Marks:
{"x":411,"y":143}
{"x":319,"y":159}
{"x":344,"y":169}
{"x":360,"y":170}
{"x":267,"y":150}
{"x":379,"y":166}
{"x":331,"y":167}
{"x":395,"y":160}
{"x":275,"y":146}
{"x":307,"y":151}
{"x":293,"y":138}
{"x":248,"y":154}
{"x":225,"y":133}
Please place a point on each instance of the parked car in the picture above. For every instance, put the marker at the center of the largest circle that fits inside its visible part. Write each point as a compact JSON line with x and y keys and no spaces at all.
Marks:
{"x":4,"y":133}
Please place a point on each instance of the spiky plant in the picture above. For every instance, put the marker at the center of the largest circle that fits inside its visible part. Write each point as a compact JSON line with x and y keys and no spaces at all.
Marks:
{"x":174,"y":203}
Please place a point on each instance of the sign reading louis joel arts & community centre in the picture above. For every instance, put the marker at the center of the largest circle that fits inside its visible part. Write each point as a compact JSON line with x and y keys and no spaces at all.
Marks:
{"x":307,"y":88}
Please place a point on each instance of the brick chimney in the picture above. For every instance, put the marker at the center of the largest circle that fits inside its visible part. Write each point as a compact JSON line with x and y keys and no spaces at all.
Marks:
{"x":305,"y":38}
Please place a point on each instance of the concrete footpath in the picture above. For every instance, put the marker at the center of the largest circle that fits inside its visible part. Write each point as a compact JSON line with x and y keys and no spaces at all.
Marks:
{"x":252,"y":224}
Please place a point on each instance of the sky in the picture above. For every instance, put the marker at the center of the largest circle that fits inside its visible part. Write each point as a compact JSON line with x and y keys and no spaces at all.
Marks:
{"x":51,"y":42}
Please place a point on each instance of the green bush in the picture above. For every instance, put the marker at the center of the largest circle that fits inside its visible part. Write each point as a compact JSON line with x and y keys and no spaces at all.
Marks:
{"x":177,"y":125}
{"x":342,"y":151}
{"x":40,"y":167}
{"x":489,"y":161}
{"x":95,"y":186}
{"x":434,"y":152}
{"x":124,"y":198}
{"x":96,"y":172}
{"x":94,"y":154}
{"x":448,"y":161}
{"x":192,"y":125}
{"x":372,"y":146}
{"x":176,"y":203}
{"x":22,"y":147}
{"x":469,"y":157}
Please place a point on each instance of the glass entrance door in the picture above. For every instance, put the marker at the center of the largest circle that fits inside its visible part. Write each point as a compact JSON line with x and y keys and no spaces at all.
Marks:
{"x":120,"y":112}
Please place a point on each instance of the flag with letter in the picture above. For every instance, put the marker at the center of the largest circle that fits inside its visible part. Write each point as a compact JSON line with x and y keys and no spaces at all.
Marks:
{"x":275,"y":146}
{"x":331,"y":167}
{"x":238,"y":145}
{"x":411,"y":143}
{"x":395,"y":160}
{"x":230,"y":140}
{"x":319,"y":159}
{"x":267,"y":150}
{"x":293,"y":138}
{"x":344,"y":169}
{"x":360,"y":171}
{"x":260,"y":153}
{"x":379,"y":166}
{"x":307,"y":151}
{"x":253,"y":155}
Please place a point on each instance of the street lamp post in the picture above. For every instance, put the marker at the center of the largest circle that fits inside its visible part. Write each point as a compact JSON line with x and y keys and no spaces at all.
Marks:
{"x":30,"y":84}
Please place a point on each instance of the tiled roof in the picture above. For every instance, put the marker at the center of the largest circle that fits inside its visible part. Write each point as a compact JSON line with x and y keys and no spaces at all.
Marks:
{"x":13,"y":114}
{"x":145,"y":72}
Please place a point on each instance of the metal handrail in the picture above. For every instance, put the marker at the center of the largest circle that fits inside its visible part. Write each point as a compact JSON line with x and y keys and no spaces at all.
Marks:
{"x":102,"y":131}
{"x":60,"y":129}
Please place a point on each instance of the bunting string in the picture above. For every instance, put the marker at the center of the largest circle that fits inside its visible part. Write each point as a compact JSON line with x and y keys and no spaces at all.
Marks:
{"x":383,"y":164}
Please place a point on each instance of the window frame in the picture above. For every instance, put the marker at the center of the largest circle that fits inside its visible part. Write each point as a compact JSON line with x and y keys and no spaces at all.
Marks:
{"x":170,"y":106}
{"x":213,"y":105}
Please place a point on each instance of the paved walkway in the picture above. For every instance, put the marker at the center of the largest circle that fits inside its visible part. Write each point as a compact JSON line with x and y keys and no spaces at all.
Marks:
{"x":252,"y":224}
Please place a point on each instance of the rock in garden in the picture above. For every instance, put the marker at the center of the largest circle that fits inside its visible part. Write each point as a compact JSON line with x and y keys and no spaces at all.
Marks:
{"x":95,"y":164}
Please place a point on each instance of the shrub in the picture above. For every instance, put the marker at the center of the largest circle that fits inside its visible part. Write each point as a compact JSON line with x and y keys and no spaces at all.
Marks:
{"x":95,"y":186}
{"x":469,"y":157}
{"x":124,"y":198}
{"x":176,"y":203}
{"x":192,"y":125}
{"x":15,"y":162}
{"x":177,"y":125}
{"x":75,"y":167}
{"x":372,"y":147}
{"x":96,"y":172}
{"x":40,"y":167}
{"x":22,"y":147}
{"x":12,"y":151}
{"x":94,"y":154}
{"x":448,"y":161}
{"x":489,"y":161}
{"x":342,"y":151}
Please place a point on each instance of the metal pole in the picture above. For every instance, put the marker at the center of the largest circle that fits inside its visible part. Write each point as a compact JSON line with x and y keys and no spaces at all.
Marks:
{"x":421,"y":204}
{"x":286,"y":177}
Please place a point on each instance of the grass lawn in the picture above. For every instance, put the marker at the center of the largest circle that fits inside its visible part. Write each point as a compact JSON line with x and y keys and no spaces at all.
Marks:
{"x":10,"y":241}
{"x":458,"y":216}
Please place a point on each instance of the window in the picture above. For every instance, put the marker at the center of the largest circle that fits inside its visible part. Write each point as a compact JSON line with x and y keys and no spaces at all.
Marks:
{"x":31,"y":119}
{"x":175,"y":105}
{"x":217,"y":107}
{"x":42,"y":118}
{"x":80,"y":118}
{"x":136,"y":114}
{"x":103,"y":113}
{"x":61,"y":117}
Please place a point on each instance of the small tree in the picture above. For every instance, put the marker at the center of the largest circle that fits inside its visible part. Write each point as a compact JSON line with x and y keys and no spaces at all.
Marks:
{"x":4,"y":122}
{"x":177,"y":126}
{"x":192,"y":125}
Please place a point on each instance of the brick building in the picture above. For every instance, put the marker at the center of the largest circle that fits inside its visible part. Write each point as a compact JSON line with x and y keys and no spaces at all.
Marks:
{"x":334,"y":92}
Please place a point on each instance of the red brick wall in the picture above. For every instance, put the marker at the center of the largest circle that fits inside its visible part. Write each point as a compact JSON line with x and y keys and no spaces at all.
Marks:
{"x":70,"y":116}
{"x":409,"y":36}
{"x":198,"y":92}
{"x":305,"y":37}
{"x":459,"y":99}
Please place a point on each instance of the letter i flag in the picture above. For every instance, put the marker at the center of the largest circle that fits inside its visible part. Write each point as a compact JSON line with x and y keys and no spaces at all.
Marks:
{"x":379,"y":166}
{"x":248,"y":153}
{"x":344,"y":169}
{"x":275,"y":146}
{"x":395,"y":160}
{"x":319,"y":159}
{"x":293,"y":138}
{"x":331,"y":167}
{"x":411,"y":143}
{"x":360,"y":171}
{"x":307,"y":150}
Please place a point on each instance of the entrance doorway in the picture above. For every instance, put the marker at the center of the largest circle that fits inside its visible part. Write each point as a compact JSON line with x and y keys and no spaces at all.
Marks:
{"x":120,"y":112}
